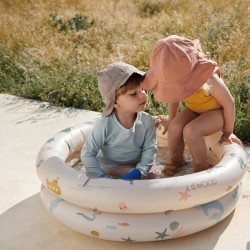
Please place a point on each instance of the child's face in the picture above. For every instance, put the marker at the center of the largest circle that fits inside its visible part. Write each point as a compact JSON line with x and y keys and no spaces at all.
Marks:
{"x":134,"y":100}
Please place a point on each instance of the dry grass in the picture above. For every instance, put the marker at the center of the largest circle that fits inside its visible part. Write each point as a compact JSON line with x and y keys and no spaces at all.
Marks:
{"x":121,"y":32}
{"x":47,"y":64}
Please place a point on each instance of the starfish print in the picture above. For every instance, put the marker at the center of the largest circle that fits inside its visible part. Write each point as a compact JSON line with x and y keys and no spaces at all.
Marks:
{"x":184,"y":195}
{"x":162,"y":235}
{"x":128,"y":239}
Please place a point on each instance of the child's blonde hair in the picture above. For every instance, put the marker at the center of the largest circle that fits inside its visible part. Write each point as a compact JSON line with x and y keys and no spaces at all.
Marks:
{"x":133,"y":81}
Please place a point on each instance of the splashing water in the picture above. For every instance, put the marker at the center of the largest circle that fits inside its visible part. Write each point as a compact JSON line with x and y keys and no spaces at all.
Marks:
{"x":162,"y":157}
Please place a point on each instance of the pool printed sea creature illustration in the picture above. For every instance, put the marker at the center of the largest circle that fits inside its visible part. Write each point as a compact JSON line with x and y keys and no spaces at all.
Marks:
{"x":50,"y":140}
{"x":128,"y":239}
{"x":162,"y":235}
{"x":178,"y":233}
{"x":39,"y":163}
{"x":235,"y":194}
{"x":174,"y":225}
{"x":229,"y":188}
{"x":46,"y":148}
{"x":95,"y":234}
{"x":217,"y":216}
{"x":123,"y":224}
{"x":112,"y":227}
{"x":67,"y":130}
{"x":54,"y":204}
{"x":53,"y":186}
{"x":95,"y":212}
{"x":239,"y":159}
{"x":123,"y":207}
{"x":185,"y":195}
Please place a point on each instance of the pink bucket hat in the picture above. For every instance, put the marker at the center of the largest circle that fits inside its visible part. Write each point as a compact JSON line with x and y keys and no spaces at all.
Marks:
{"x":178,"y":69}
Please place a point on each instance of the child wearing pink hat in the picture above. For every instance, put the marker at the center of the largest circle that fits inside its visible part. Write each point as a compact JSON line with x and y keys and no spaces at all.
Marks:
{"x":181,"y":72}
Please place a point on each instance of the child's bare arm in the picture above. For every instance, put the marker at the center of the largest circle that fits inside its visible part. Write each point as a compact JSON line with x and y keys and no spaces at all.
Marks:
{"x":165,"y":120}
{"x":225,"y":99}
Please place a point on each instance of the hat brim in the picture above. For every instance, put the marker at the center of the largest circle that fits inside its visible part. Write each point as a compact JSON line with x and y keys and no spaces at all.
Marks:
{"x":111,"y":99}
{"x":168,"y":93}
{"x":149,"y":82}
{"x":108,"y":109}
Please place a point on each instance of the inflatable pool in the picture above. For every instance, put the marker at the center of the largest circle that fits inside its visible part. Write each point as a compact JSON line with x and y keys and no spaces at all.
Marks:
{"x":116,"y":209}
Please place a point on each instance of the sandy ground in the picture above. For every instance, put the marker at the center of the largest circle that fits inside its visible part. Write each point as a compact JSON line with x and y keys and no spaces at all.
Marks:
{"x":25,"y":224}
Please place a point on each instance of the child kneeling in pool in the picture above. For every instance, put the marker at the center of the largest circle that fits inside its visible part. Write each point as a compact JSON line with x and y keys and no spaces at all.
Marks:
{"x":125,"y":136}
{"x":180,"y":71}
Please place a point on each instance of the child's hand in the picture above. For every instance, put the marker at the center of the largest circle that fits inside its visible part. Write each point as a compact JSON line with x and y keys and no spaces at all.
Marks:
{"x":150,"y":175}
{"x":231,"y":138}
{"x":163,"y":121}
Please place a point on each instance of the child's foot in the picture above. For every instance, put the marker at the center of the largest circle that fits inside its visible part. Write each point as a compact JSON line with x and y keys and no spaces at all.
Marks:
{"x":172,"y":167}
{"x":170,"y":170}
{"x":199,"y":169}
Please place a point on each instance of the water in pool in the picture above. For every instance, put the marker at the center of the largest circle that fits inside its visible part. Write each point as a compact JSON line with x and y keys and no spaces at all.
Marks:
{"x":162,"y":157}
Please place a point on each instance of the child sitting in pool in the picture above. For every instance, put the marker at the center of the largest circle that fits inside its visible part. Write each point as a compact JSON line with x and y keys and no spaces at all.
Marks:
{"x":125,"y":137}
{"x":180,"y":71}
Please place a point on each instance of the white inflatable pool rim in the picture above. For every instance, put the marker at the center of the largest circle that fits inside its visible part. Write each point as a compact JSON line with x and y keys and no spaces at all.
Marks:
{"x":139,"y":196}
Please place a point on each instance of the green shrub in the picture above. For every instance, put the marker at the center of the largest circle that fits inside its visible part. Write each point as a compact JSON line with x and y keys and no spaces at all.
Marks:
{"x":78,"y":22}
{"x":16,"y":77}
{"x":75,"y":88}
{"x":60,"y":67}
{"x":11,"y":74}
{"x":239,"y":88}
{"x":68,"y":85}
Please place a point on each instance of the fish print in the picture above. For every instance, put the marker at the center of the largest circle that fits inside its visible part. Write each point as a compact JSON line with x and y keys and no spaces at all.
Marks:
{"x":123,"y":224}
{"x":111,"y":227}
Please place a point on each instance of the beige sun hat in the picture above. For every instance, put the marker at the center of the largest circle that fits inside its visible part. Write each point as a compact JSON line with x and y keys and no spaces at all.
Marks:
{"x":112,"y":78}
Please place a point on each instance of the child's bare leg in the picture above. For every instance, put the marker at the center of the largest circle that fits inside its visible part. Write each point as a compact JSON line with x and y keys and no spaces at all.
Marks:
{"x":175,"y":140}
{"x":206,"y":124}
